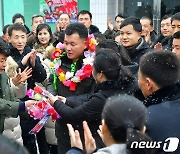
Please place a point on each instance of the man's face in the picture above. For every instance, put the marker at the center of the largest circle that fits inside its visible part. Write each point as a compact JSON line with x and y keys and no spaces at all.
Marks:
{"x":175,"y":26}
{"x":3,"y":58}
{"x":64,"y":21}
{"x":146,"y":27}
{"x":176,"y":47}
{"x":36,"y":22}
{"x":85,"y":19}
{"x":166,"y":29}
{"x":74,"y":46}
{"x":20,"y":21}
{"x":128,"y":36}
{"x":18,"y":40}
{"x":119,"y":20}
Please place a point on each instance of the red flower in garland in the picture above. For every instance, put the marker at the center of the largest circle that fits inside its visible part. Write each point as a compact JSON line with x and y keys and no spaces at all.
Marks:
{"x":38,"y":90}
{"x":87,"y":70}
{"x":58,"y":71}
{"x":56,"y":53}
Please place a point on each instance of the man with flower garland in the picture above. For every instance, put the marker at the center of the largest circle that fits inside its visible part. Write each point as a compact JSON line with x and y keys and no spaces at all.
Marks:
{"x":72,"y":75}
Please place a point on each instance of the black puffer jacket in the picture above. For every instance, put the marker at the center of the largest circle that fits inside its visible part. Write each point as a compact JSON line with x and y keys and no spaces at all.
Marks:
{"x":135,"y":52}
{"x":38,"y":73}
{"x":75,"y":111}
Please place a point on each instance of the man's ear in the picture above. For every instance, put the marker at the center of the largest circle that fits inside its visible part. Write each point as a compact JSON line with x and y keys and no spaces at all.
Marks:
{"x":149,"y":83}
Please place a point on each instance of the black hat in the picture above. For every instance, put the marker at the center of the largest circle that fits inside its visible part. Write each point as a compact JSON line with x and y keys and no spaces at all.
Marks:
{"x":4,"y":48}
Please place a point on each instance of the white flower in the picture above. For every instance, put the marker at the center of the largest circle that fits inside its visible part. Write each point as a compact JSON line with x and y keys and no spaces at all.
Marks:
{"x":76,"y":79}
{"x":69,"y":75}
{"x":88,"y":60}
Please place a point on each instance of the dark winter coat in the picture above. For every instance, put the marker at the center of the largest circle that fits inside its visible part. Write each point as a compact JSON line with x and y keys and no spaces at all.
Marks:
{"x":135,"y":52}
{"x":38,"y":73}
{"x":164,"y":114}
{"x":75,"y":111}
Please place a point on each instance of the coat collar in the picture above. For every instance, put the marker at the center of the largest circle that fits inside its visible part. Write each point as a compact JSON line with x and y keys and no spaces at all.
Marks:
{"x":167,"y":93}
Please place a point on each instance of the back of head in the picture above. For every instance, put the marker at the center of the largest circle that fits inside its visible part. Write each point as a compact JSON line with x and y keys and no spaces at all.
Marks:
{"x":85,"y":12}
{"x":77,"y":28}
{"x":16,"y":16}
{"x":108,"y":62}
{"x":4,"y":48}
{"x":125,"y":117}
{"x":9,"y":147}
{"x":17,"y":27}
{"x":176,"y":35}
{"x":161,"y":66}
{"x":5,"y":28}
{"x":44,"y":26}
{"x":176,"y":16}
{"x":132,"y":21}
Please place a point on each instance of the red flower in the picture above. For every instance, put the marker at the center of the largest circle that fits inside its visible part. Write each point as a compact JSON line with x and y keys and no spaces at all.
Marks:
{"x":56,"y":53}
{"x":58,"y":71}
{"x":38,"y":90}
{"x":73,"y":86}
{"x":87,"y":70}
{"x":41,"y":105}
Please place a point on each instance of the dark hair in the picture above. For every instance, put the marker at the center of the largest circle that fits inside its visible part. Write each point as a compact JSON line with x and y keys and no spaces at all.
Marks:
{"x":118,"y":49}
{"x":78,"y":28}
{"x":121,"y":15}
{"x":44,"y":26}
{"x":108,"y":62}
{"x":176,"y":16}
{"x":99,"y":37}
{"x":4,"y":48}
{"x":35,"y":16}
{"x":5,"y":28}
{"x":176,"y":35}
{"x":162,"y":67}
{"x":132,"y":21}
{"x":166,"y":17}
{"x":85,"y":12}
{"x":17,"y":27}
{"x":16,"y":16}
{"x":125,"y":117}
{"x":144,"y":17}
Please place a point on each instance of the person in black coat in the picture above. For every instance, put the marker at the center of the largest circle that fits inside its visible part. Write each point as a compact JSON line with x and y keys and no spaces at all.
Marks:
{"x":111,"y":79}
{"x":130,"y":37}
{"x":158,"y":77}
{"x":25,"y":57}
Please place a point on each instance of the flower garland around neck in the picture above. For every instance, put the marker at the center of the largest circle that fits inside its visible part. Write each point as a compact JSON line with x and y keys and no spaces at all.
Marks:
{"x":74,"y":76}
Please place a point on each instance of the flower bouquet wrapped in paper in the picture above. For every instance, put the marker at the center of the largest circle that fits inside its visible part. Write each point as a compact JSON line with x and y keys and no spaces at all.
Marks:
{"x":41,"y":110}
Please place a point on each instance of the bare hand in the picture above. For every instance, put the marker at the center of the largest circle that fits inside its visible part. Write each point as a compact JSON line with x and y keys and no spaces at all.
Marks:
{"x":25,"y":59}
{"x":30,"y":103}
{"x":158,"y":46}
{"x":33,"y":58}
{"x":100,"y":131}
{"x":74,"y":137}
{"x":52,"y":99}
{"x":109,"y":23}
{"x":90,"y":143}
{"x":25,"y":74}
{"x":63,"y":99}
{"x":57,"y":26}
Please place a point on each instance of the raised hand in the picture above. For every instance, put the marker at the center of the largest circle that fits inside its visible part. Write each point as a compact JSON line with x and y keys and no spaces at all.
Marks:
{"x":158,"y":46}
{"x":90,"y":143}
{"x":30,"y":103}
{"x":25,"y":58}
{"x":33,"y":58}
{"x":74,"y":137}
{"x":25,"y":74}
{"x":109,"y":24}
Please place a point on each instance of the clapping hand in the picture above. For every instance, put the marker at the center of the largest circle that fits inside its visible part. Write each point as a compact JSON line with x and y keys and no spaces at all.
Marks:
{"x":74,"y":137}
{"x":158,"y":46}
{"x":22,"y":77}
{"x":33,"y":58}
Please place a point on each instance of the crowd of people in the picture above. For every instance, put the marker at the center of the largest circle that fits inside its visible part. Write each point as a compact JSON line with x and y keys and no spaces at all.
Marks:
{"x":130,"y":90}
